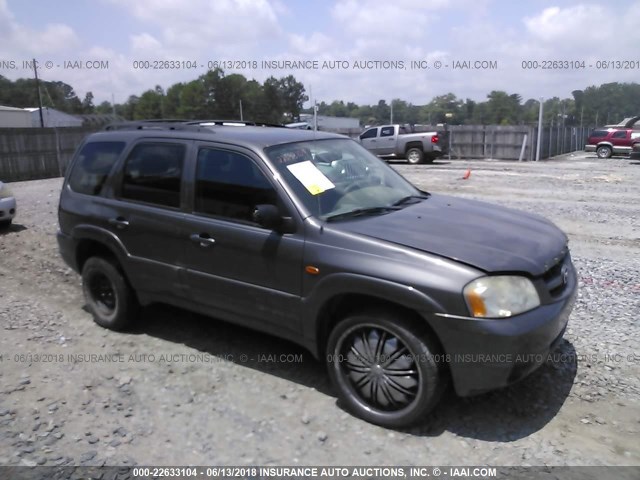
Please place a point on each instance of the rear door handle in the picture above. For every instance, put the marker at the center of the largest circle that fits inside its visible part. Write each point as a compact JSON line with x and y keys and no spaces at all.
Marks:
{"x":119,"y":222}
{"x":202,"y":239}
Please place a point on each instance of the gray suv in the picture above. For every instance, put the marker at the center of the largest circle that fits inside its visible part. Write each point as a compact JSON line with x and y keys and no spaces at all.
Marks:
{"x":308,"y":236}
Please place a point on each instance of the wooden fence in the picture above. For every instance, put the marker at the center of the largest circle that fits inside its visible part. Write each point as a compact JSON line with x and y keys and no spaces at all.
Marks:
{"x":32,"y":153}
{"x":506,"y":142}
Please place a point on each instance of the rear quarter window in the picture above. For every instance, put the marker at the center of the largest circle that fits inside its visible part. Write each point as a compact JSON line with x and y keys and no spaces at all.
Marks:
{"x":92,"y":166}
{"x":598,"y":134}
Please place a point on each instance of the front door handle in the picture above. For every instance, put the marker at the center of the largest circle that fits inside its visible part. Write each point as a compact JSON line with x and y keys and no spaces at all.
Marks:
{"x":119,"y":223}
{"x":202,"y":239}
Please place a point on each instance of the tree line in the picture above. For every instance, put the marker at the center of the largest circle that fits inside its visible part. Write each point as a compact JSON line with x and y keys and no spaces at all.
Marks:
{"x":595,"y":105}
{"x":212,"y":95}
{"x":215,"y":95}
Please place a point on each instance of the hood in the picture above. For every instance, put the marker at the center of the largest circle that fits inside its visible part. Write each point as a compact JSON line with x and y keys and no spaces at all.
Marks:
{"x":485,"y":236}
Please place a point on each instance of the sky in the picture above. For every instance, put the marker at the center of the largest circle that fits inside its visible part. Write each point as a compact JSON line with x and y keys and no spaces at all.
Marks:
{"x":373,"y":49}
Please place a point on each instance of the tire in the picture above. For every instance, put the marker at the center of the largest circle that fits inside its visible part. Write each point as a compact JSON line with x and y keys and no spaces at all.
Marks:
{"x":604,"y":151}
{"x":414,"y":156}
{"x":109,"y":297}
{"x":364,"y":385}
{"x":5,"y":224}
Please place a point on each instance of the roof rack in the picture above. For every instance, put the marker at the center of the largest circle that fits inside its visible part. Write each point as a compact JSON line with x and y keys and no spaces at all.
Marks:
{"x":179,"y":124}
{"x":234,"y":123}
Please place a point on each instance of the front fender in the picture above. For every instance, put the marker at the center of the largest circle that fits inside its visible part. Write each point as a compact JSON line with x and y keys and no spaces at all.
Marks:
{"x":341,"y":284}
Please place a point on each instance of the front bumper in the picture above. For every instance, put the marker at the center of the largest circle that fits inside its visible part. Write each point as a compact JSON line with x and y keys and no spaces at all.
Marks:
{"x":7,"y":209}
{"x":484,"y":354}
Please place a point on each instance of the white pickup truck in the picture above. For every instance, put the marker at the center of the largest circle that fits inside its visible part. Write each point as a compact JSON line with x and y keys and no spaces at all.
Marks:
{"x":399,"y":141}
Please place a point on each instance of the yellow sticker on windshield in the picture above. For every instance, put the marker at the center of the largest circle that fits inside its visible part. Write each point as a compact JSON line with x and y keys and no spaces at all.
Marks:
{"x":314,"y":189}
{"x":312,"y":178}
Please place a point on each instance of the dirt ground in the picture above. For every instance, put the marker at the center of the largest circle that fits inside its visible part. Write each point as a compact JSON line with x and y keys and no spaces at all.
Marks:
{"x":183,"y":389}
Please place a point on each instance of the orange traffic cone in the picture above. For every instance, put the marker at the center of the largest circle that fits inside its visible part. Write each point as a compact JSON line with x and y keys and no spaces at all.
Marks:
{"x":467,"y":174}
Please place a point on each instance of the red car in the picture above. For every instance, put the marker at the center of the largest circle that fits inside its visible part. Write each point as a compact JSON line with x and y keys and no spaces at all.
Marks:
{"x":611,"y":141}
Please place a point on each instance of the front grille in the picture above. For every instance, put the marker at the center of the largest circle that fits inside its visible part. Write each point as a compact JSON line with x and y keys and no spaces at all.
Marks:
{"x":557,"y":277}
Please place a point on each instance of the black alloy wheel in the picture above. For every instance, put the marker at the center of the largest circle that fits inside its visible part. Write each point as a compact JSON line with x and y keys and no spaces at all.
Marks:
{"x":386,"y":370}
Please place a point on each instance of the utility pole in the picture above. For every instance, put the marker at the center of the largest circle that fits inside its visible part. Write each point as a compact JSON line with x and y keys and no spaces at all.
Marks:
{"x":391,"y":116}
{"x":35,"y":70}
{"x":241,"y":119}
{"x":539,"y":129}
{"x":113,"y":106}
{"x":315,"y":116}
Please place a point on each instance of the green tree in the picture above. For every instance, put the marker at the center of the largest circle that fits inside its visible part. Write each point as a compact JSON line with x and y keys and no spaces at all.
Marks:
{"x":292,"y":96}
{"x":382,"y":112}
{"x":105,"y":108}
{"x":228,"y":94}
{"x":193,"y":101}
{"x":172,"y":101}
{"x":87,"y":103}
{"x":149,"y":106}
{"x":503,"y":109}
{"x":273,"y":100}
{"x":127,"y":110}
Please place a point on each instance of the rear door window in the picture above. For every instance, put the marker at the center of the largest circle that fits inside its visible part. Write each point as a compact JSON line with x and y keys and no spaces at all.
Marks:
{"x":386,"y":132}
{"x":92,"y":166}
{"x":153,"y":173}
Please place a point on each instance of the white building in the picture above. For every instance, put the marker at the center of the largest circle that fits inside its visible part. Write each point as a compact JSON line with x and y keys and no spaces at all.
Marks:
{"x":11,"y":117}
{"x":325,"y":122}
{"x":53,"y":118}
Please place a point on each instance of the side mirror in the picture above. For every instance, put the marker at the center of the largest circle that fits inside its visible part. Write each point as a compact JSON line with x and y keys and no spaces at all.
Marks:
{"x":267,"y":216}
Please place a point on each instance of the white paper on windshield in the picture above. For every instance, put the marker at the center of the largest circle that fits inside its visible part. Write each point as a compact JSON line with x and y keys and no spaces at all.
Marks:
{"x":312,"y":178}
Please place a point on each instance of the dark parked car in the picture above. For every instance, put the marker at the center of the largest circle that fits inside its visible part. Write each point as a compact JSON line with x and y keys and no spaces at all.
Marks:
{"x":308,"y":236}
{"x":635,"y":147}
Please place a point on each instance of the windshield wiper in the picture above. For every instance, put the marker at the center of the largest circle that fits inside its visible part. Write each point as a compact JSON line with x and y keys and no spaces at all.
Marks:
{"x":361,"y":212}
{"x":409,"y":199}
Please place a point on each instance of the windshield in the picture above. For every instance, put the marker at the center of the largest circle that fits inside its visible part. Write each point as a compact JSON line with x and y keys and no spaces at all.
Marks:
{"x":334,"y":178}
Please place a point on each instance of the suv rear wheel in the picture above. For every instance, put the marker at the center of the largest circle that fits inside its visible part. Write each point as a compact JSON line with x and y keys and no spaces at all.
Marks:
{"x":384,"y":369}
{"x":604,"y":151}
{"x":107,"y":293}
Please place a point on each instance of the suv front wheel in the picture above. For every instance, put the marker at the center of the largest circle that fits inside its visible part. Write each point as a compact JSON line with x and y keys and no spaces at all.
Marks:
{"x":385,"y":370}
{"x":109,"y":298}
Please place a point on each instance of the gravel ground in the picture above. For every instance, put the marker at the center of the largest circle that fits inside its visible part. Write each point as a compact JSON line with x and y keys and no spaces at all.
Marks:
{"x":184,"y":389}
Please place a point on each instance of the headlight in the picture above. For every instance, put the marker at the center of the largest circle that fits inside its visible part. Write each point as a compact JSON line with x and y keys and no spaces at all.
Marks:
{"x":5,"y":191}
{"x":501,"y":296}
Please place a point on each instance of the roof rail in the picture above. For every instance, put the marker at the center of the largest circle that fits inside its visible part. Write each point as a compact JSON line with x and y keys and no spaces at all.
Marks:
{"x":179,"y":124}
{"x":234,"y":123}
{"x":152,"y":125}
